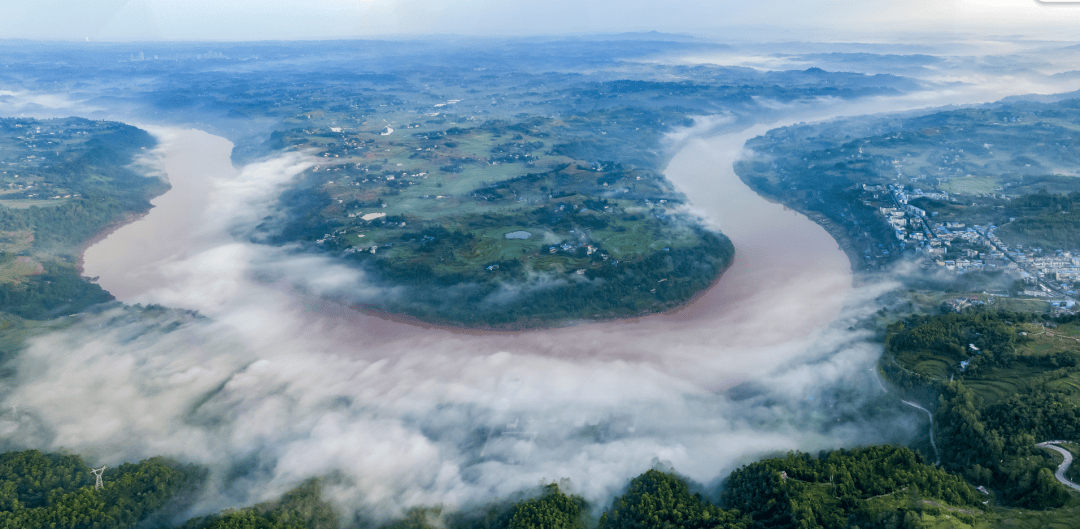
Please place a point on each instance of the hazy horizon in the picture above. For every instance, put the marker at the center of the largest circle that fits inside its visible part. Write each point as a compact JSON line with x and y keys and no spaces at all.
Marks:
{"x":244,"y":20}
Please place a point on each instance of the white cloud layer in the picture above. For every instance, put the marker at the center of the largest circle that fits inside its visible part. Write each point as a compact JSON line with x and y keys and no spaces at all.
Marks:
{"x":277,"y":385}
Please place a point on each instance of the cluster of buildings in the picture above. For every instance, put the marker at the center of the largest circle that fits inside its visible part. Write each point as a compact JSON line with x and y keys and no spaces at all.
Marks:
{"x":1048,"y":275}
{"x":959,"y":304}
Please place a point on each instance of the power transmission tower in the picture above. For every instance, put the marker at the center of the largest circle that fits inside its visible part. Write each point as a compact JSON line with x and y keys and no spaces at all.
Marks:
{"x":97,"y":474}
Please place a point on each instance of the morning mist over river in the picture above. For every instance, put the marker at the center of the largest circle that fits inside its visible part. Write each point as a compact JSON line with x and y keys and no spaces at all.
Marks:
{"x":787,"y":268}
{"x":784,"y":263}
{"x":273,"y":379}
{"x":414,"y":415}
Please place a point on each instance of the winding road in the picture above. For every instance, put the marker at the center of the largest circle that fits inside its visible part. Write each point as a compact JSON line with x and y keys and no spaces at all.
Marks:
{"x":931,"y":415}
{"x":1064,"y":466}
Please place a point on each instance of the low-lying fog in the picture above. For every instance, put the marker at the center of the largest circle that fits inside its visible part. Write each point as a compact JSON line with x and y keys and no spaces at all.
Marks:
{"x":297,"y":387}
{"x":276,"y":384}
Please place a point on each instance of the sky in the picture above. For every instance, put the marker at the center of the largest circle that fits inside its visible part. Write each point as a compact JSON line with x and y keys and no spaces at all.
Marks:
{"x":231,"y":20}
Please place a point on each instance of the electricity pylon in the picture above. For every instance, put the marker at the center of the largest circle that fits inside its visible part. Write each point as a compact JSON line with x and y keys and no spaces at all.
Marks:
{"x":97,"y":474}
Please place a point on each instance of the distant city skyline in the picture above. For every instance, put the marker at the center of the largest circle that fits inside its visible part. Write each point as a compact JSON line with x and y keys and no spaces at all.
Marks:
{"x":238,"y":20}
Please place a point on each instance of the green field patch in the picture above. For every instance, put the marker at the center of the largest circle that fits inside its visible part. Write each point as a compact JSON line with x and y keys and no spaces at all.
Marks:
{"x":993,"y":391}
{"x":937,"y":366}
{"x":1048,"y":340}
{"x":16,"y":241}
{"x":549,"y":263}
{"x":930,"y":513}
{"x":27,"y":203}
{"x":1023,"y":305}
{"x":928,"y":363}
{"x":971,"y":185}
{"x":1068,"y":385}
{"x":634,"y":240}
{"x":1039,"y":348}
{"x":1066,"y":517}
{"x":493,"y":248}
{"x":997,"y":384}
{"x":14,"y":268}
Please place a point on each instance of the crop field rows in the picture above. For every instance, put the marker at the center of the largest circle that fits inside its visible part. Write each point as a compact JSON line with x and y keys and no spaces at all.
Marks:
{"x":996,"y":384}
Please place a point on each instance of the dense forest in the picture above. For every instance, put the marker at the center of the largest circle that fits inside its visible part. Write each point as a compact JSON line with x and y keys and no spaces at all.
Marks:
{"x":657,"y":499}
{"x":867,"y":487}
{"x":300,"y":508}
{"x":877,"y":486}
{"x":1020,"y":397}
{"x":53,"y":490}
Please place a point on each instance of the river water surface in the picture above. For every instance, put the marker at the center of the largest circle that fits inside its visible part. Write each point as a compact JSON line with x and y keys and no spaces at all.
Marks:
{"x":129,"y":260}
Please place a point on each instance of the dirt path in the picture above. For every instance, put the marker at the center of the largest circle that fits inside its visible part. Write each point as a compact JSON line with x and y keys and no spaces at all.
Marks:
{"x":1048,"y":332}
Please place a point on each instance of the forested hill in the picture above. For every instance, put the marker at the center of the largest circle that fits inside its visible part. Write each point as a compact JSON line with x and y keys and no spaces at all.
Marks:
{"x":866,"y":487}
{"x":52,"y":490}
{"x":998,"y":382}
{"x":870,"y":487}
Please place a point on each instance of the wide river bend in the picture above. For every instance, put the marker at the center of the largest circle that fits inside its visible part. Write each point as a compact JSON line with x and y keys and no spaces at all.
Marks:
{"x":423,"y":415}
{"x":789,"y":277}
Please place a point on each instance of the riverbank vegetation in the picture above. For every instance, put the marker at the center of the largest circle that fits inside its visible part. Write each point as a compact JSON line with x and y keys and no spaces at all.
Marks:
{"x":63,"y":182}
{"x":1010,"y":165}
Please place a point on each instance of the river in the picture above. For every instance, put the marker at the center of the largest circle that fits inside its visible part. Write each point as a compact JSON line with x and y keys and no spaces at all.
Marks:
{"x":423,"y":415}
{"x":129,"y":261}
{"x":789,"y":278}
